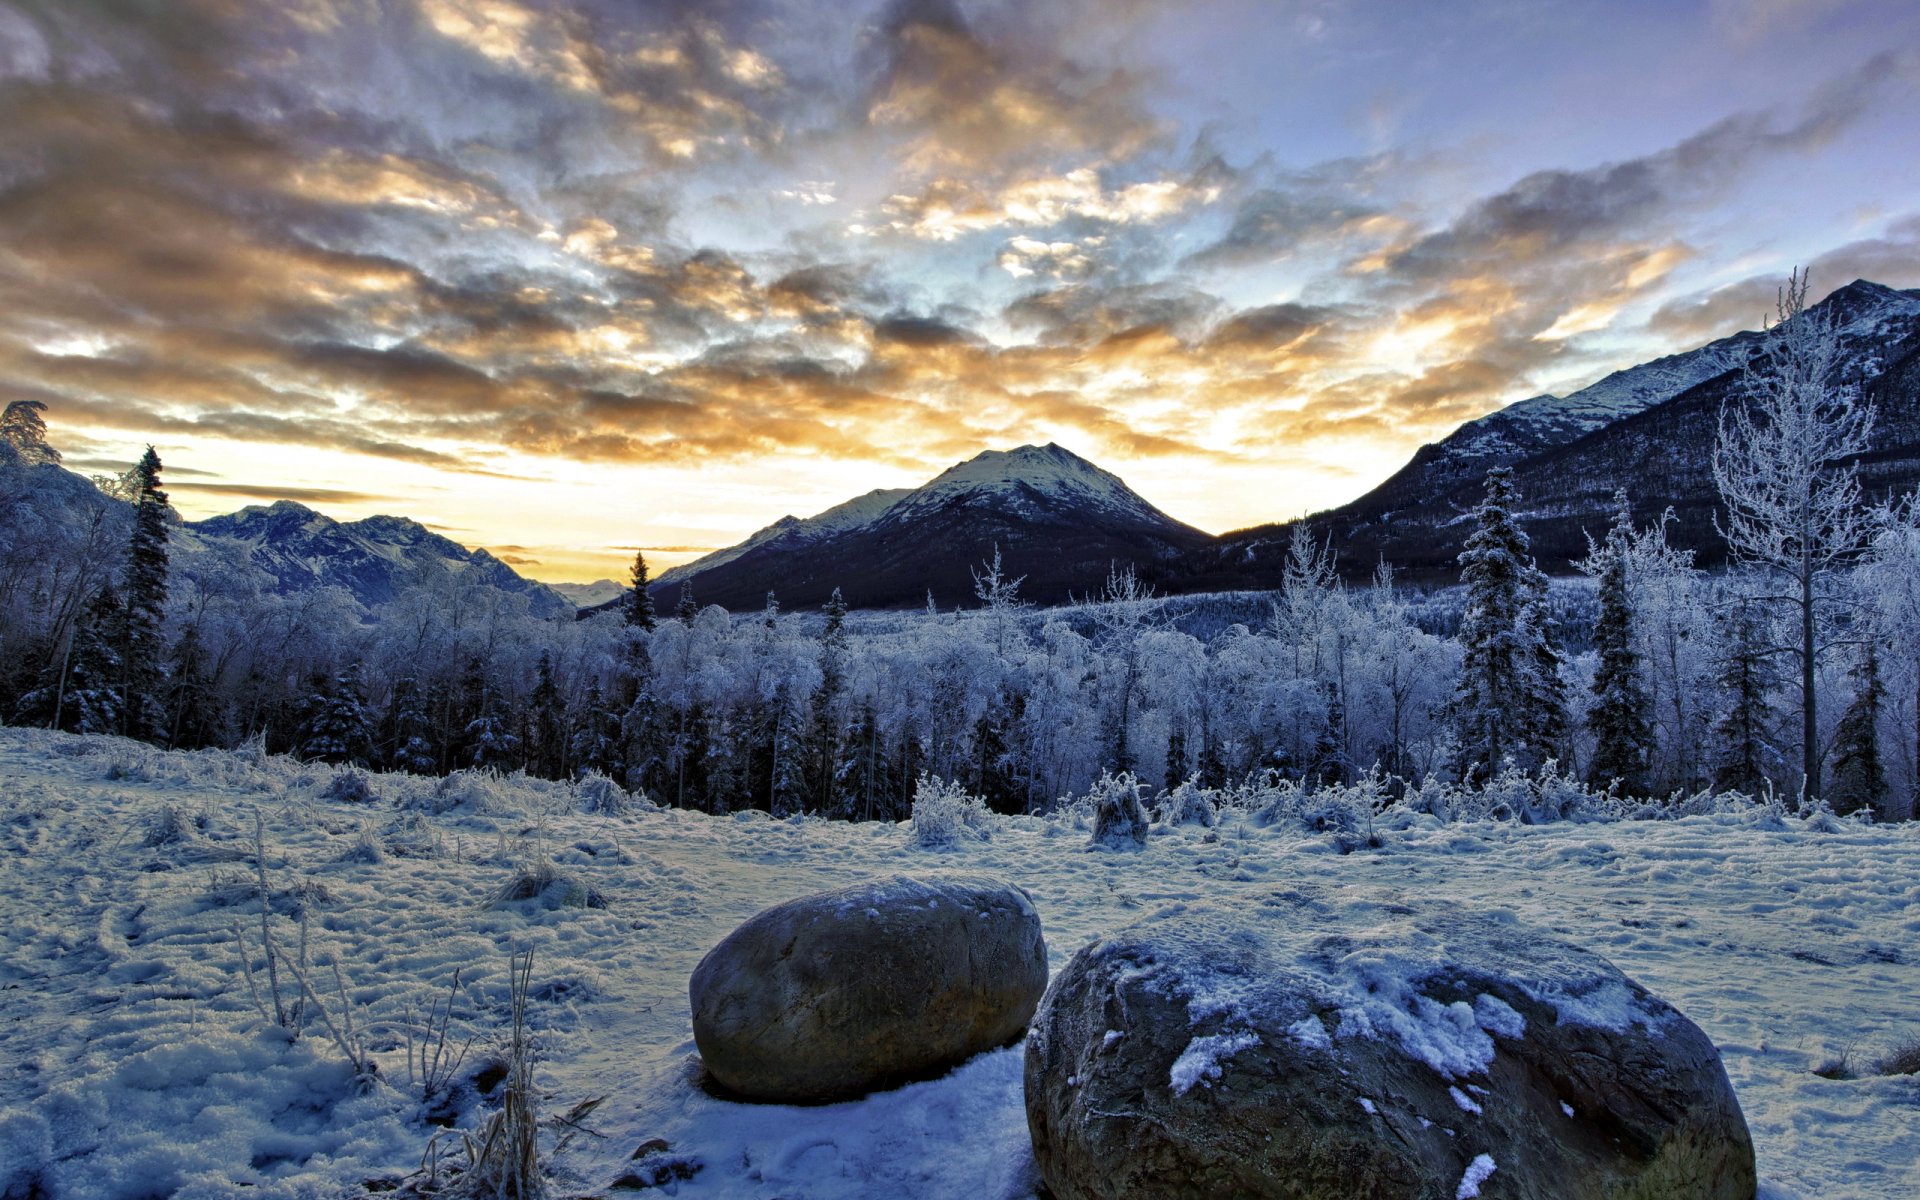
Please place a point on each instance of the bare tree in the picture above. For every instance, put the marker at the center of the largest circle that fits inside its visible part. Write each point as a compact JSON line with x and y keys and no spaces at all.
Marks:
{"x":1785,"y":465}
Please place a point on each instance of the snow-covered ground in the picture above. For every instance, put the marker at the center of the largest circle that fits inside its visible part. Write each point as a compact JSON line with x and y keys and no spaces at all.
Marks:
{"x":133,"y":1064}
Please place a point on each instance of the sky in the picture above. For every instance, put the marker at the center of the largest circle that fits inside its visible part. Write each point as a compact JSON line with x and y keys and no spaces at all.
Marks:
{"x":567,"y":278}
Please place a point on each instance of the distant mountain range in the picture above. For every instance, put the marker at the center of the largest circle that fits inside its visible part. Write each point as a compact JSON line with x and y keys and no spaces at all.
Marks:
{"x":375,"y":559}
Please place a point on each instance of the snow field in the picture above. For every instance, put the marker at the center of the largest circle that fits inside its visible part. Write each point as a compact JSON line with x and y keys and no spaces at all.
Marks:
{"x":133,"y":1063}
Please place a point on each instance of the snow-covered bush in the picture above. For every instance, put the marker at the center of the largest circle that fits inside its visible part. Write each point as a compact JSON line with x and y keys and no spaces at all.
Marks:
{"x":1119,"y":818}
{"x":1188,"y":804}
{"x":944,"y":815}
{"x":350,"y":785}
{"x":547,"y":886}
{"x":597,"y":793}
{"x":474,"y":790}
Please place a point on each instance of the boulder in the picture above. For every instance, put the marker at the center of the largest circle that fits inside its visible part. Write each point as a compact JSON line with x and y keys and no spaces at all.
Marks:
{"x":840,"y":993}
{"x":1322,"y":1045}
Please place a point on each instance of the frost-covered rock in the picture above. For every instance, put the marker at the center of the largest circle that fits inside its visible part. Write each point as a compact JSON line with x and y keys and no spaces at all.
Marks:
{"x":1319,"y":1045}
{"x":842,"y":992}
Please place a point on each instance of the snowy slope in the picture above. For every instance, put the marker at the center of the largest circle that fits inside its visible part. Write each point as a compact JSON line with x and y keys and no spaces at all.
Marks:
{"x":137,"y":1068}
{"x":1023,"y":477}
{"x":798,"y":532}
{"x":1867,"y":316}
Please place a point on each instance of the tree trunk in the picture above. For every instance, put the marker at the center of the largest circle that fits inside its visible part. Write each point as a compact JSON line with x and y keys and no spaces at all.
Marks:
{"x":1809,"y":745}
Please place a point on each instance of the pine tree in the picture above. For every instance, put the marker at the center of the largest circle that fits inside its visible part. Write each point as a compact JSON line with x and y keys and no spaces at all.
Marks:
{"x":1619,"y":720}
{"x":82,"y":692}
{"x":687,"y":609}
{"x":408,"y":729}
{"x":596,"y":737}
{"x":142,"y":669}
{"x":489,"y":740}
{"x":1745,"y":749}
{"x":1859,"y":781}
{"x":1509,"y":702}
{"x":198,"y":720}
{"x":547,"y":724}
{"x":639,"y":608}
{"x":1177,"y":769}
{"x":334,"y":725}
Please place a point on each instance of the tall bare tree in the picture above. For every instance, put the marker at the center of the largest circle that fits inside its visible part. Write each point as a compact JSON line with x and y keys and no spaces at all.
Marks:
{"x":1785,"y":465}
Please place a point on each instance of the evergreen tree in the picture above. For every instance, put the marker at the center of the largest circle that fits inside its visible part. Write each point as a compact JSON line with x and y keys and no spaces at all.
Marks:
{"x":1859,"y":782}
{"x":1619,"y":720}
{"x":143,"y":672}
{"x":687,"y":609}
{"x":1746,"y":750}
{"x":1509,"y":702}
{"x":334,"y":725}
{"x":196,"y":708}
{"x":547,"y":724}
{"x":82,"y":693}
{"x":1178,"y":771}
{"x":639,"y":608}
{"x":407,"y":732}
{"x":489,"y":738}
{"x":596,"y":737}
{"x":643,"y":735}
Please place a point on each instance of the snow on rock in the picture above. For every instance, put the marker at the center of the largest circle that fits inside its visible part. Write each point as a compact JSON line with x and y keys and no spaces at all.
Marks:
{"x":1783,"y":941}
{"x":1478,"y":1172}
{"x":1432,"y":1005}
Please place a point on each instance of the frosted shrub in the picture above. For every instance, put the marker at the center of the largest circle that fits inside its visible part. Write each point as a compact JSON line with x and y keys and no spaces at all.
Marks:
{"x":1188,"y":805}
{"x":1119,"y":819}
{"x":349,"y":786}
{"x":1269,"y":800}
{"x":944,"y":815}
{"x":597,"y":793}
{"x":475,"y":790}
{"x":548,"y":887}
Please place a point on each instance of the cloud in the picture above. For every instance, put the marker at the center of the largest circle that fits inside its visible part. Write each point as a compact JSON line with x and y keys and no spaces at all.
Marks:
{"x":271,"y":491}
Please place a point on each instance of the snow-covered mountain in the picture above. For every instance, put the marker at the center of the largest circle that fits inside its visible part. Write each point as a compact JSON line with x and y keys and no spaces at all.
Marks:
{"x":587,"y":595}
{"x":1057,"y":519}
{"x":1648,"y":428}
{"x":374,"y":559}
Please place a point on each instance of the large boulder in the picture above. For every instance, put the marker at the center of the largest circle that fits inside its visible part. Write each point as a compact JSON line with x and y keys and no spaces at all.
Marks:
{"x":837,"y":994}
{"x":1332,"y":1045}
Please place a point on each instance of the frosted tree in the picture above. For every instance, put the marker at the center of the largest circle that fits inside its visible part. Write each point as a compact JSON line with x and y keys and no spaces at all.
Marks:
{"x":687,"y":609}
{"x":22,"y":427}
{"x":1619,"y":722}
{"x":1508,"y":703}
{"x":1785,"y":466}
{"x":639,"y":607}
{"x":143,"y":669}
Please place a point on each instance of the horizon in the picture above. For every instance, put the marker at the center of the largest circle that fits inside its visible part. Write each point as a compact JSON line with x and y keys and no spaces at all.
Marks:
{"x":565,"y":280}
